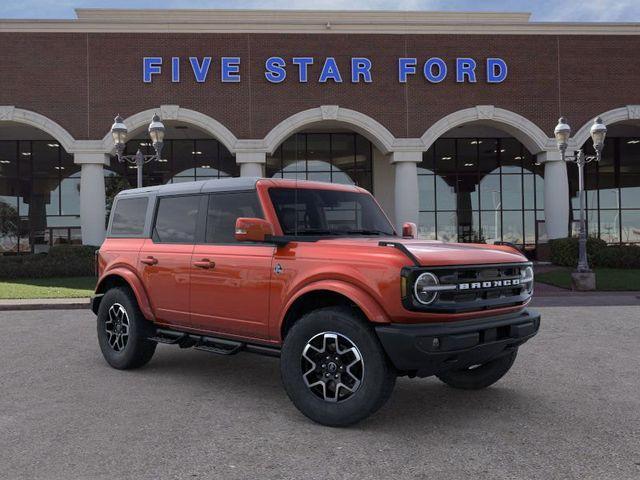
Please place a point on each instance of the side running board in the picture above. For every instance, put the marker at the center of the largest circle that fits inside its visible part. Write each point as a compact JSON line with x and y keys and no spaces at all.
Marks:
{"x":220,"y":346}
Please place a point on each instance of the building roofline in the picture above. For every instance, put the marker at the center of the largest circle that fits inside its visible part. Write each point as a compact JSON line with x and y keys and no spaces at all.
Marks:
{"x":311,"y":21}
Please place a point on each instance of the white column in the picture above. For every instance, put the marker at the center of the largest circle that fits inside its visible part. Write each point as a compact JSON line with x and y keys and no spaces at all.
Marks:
{"x":406,"y":187}
{"x":92,"y":196}
{"x":556,"y":194}
{"x":251,"y":163}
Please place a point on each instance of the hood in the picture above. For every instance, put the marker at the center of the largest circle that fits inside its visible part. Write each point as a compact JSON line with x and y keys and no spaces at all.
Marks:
{"x":437,"y":253}
{"x":440,"y":253}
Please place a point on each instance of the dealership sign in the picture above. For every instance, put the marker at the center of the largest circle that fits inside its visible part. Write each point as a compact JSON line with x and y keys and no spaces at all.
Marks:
{"x":310,"y":69}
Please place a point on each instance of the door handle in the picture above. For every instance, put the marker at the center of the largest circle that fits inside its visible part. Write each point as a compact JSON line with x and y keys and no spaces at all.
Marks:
{"x":204,"y":263}
{"x":149,"y":260}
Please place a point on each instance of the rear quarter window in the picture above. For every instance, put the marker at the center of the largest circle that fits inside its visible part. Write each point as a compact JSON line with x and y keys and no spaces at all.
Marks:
{"x":128,"y":216}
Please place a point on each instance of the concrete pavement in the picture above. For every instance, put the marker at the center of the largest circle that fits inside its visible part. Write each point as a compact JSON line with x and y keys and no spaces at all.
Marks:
{"x":569,"y":408}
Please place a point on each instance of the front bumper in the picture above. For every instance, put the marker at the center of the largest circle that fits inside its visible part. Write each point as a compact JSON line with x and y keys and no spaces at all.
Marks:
{"x":428,"y":349}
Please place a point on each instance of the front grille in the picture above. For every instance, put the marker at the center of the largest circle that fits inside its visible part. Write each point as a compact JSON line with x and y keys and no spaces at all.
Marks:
{"x":473,"y":287}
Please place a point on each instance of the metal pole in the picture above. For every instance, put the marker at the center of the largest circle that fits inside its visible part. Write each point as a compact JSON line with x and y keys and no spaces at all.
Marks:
{"x":139,"y":164}
{"x":583,"y":263}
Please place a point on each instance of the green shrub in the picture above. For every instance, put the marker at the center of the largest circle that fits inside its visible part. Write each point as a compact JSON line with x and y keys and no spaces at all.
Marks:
{"x":564,"y":251}
{"x":61,"y":261}
{"x":618,"y":256}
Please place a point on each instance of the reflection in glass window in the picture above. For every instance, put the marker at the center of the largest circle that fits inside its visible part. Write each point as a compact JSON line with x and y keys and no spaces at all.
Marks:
{"x":612,"y":188}
{"x":327,"y":157}
{"x":176,"y":219}
{"x":480,"y":190}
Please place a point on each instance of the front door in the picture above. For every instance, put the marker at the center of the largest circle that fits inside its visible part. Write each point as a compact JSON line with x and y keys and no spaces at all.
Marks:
{"x":230,"y":280}
{"x":165,"y":259}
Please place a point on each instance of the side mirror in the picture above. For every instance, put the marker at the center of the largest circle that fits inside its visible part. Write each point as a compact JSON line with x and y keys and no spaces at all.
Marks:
{"x":252,"y":229}
{"x":409,"y":230}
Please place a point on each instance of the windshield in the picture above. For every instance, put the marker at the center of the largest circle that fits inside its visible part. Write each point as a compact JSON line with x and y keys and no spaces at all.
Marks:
{"x":320,"y":212}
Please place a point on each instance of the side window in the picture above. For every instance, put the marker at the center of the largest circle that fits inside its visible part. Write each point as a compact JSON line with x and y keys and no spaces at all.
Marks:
{"x":129,"y":215}
{"x":176,"y":219}
{"x":224,"y":209}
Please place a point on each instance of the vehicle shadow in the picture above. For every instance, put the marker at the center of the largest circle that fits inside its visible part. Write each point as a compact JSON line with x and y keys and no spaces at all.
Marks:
{"x":253,"y":381}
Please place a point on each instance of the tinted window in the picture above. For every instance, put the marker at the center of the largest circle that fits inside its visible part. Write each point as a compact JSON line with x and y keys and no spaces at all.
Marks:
{"x":176,"y":219}
{"x":225,"y":209}
{"x":129,"y":215}
{"x":328,"y":212}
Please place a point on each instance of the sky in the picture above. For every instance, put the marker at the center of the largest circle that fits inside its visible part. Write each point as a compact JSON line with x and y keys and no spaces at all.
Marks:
{"x":542,"y":10}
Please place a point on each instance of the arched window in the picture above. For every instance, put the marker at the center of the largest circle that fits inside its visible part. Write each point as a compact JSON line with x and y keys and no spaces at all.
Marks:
{"x":327,"y":157}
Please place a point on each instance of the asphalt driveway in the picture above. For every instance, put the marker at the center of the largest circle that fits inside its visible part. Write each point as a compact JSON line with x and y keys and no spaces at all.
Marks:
{"x":570,"y":408}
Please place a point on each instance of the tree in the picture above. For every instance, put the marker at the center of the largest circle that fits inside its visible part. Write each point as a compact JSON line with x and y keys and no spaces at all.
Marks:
{"x":9,"y":221}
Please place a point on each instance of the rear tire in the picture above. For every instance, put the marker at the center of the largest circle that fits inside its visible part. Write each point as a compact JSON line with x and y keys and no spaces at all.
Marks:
{"x":482,"y":376}
{"x":334,"y":369}
{"x":123,"y":331}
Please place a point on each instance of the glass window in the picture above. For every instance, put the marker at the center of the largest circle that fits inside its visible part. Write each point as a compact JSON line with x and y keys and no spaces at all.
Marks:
{"x":183,"y":164}
{"x":223,"y":211}
{"x":630,"y":226}
{"x":8,"y":159}
{"x":344,"y":158}
{"x":128,"y":216}
{"x":512,"y":230}
{"x":445,"y":194}
{"x":511,"y":155}
{"x":328,"y":212}
{"x":447,"y":226}
{"x":427,"y":226}
{"x":319,"y":152}
{"x":610,"y":225}
{"x":467,"y":154}
{"x":488,"y":155}
{"x":446,"y":155}
{"x":426,"y":188}
{"x":176,"y":219}
{"x":511,"y":192}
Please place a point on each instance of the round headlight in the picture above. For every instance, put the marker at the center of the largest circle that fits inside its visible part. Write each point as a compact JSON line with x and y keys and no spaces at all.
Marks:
{"x":423,"y":288}
{"x":526,"y":278}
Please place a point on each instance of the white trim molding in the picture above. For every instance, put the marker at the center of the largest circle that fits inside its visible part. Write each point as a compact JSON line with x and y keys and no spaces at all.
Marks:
{"x":531,"y":136}
{"x":629,"y":112}
{"x":363,"y":124}
{"x":310,"y":21}
{"x":10,"y":113}
{"x":177,"y":113}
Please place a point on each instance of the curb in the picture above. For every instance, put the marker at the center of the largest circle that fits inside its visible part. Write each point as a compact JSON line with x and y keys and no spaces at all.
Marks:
{"x":45,"y":304}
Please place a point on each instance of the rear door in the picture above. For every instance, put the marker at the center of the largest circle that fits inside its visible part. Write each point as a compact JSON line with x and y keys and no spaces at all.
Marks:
{"x":230,"y":280}
{"x":165,"y":258}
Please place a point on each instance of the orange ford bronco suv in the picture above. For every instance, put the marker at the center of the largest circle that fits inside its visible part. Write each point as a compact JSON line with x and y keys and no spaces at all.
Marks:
{"x":313,"y":273}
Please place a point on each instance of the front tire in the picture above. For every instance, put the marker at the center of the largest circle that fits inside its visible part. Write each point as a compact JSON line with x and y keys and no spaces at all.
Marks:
{"x":123,"y":331}
{"x":334,"y":369}
{"x":479,"y":376}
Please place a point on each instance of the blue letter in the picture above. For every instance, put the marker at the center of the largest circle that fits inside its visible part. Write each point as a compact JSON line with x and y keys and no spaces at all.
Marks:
{"x":406,"y":66}
{"x":200,"y":71}
{"x":150,"y":66}
{"x":330,"y":71}
{"x":465,"y":67}
{"x":428,"y":70}
{"x":275,"y":69}
{"x":303,"y":64}
{"x":496,"y":70}
{"x":175,"y":69}
{"x":230,"y":69}
{"x":360,"y":66}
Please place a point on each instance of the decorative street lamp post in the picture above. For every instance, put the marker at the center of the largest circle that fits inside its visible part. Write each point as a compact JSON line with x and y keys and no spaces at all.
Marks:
{"x":562,"y":133}
{"x":156,"y":132}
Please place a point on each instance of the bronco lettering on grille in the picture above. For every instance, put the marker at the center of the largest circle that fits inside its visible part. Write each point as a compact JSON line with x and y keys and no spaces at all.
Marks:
{"x":508,"y":282}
